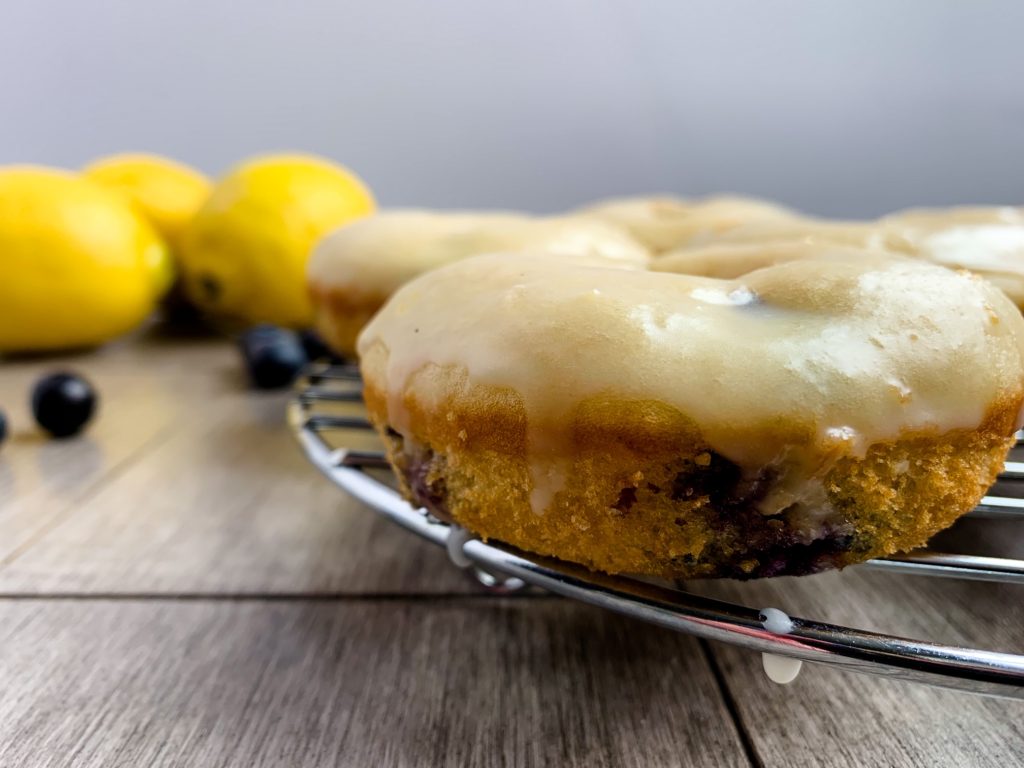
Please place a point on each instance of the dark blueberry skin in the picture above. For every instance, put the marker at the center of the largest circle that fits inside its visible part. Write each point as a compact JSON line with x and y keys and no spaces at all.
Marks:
{"x":3,"y":427}
{"x":273,"y":356}
{"x":63,"y":403}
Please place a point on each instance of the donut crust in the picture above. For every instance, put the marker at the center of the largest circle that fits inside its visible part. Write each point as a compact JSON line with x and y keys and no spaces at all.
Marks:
{"x":340,"y":315}
{"x":647,"y":495}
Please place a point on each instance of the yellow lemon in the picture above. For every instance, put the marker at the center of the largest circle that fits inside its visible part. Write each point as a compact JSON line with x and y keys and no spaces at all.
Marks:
{"x":166,"y":192}
{"x":77,"y":262}
{"x":244,"y":253}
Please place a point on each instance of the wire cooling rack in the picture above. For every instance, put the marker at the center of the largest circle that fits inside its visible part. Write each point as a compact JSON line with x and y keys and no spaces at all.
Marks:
{"x":330,"y":424}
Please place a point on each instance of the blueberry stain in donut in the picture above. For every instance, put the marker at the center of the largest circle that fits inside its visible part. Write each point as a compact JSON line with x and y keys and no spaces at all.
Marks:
{"x":768,"y":545}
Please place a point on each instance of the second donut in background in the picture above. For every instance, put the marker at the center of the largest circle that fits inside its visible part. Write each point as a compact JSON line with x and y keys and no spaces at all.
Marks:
{"x":354,"y":270}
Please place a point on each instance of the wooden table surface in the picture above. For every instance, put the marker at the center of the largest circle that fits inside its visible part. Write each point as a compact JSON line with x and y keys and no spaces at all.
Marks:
{"x":179,"y":587}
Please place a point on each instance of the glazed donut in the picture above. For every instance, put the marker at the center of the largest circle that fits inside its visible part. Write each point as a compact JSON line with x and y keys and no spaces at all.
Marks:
{"x":986,"y":241}
{"x":665,"y":223}
{"x":354,"y":270}
{"x":855,"y":234}
{"x":808,"y":416}
{"x":731,"y":260}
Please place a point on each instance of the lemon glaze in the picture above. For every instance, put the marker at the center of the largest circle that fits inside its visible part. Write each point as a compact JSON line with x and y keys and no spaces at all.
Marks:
{"x":374,"y":256}
{"x":849,"y":352}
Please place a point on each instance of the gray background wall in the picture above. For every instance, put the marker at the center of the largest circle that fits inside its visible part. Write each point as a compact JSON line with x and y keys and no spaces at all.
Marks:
{"x":841,"y":108}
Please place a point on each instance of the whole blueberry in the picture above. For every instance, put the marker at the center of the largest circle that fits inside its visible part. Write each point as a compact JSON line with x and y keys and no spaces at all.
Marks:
{"x":273,"y":356}
{"x":63,"y":403}
{"x":3,"y":427}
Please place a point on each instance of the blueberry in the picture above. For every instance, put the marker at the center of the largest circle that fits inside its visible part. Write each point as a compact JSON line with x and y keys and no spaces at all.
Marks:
{"x":315,"y":347}
{"x":3,"y":427}
{"x":273,"y":356}
{"x":63,"y":403}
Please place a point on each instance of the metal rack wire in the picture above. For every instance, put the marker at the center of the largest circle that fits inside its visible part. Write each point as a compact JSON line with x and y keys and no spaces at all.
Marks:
{"x":314,"y":414}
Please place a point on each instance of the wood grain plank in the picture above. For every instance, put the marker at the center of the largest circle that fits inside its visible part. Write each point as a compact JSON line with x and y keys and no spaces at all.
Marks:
{"x":41,"y":479}
{"x":228,"y":504}
{"x":219,"y":500}
{"x":462,"y":682}
{"x":828,"y":717}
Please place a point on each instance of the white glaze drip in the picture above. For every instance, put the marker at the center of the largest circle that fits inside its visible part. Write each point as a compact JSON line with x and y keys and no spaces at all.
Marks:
{"x":457,"y":538}
{"x":776,"y":621}
{"x":781,"y":669}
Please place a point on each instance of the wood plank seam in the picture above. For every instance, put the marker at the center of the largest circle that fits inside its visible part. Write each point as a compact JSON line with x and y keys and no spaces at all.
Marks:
{"x":473,"y":683}
{"x":749,"y":749}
